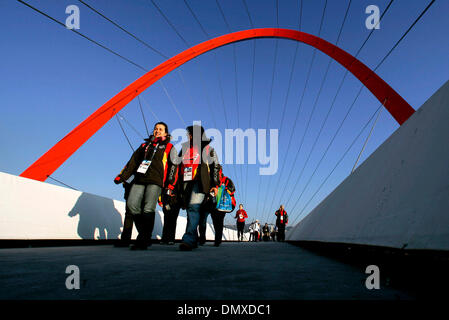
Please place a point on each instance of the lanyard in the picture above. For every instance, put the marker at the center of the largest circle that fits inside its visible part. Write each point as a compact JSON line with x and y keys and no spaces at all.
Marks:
{"x":154,"y":152}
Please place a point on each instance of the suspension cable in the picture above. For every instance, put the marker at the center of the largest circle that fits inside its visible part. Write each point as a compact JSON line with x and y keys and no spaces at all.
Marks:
{"x":201,"y":73}
{"x":48,"y":176}
{"x":332,"y":105}
{"x":339,"y":161}
{"x":218,"y":77}
{"x":313,"y":109}
{"x":124,"y":30}
{"x":270,"y":103}
{"x":235,"y":87}
{"x":239,"y":192}
{"x":304,"y":90}
{"x":200,"y":70}
{"x":122,"y":117}
{"x":252,"y":84}
{"x":109,"y":50}
{"x":147,"y":45}
{"x":143,"y":116}
{"x":84,"y":36}
{"x":380,"y":63}
{"x":172,"y":102}
{"x":367,"y":139}
{"x":124,"y":133}
{"x":405,"y":34}
{"x":146,"y":102}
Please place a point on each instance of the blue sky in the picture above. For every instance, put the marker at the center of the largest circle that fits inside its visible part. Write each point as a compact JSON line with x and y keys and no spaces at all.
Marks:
{"x":53,"y":79}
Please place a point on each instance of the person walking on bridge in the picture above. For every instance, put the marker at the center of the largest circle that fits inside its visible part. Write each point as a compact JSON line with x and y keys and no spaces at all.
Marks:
{"x":153,"y":169}
{"x":209,"y":206}
{"x":251,"y":231}
{"x":266,"y":232}
{"x":256,"y":230}
{"x":198,"y":175}
{"x":273,"y":233}
{"x":281,"y":222}
{"x":240,"y":215}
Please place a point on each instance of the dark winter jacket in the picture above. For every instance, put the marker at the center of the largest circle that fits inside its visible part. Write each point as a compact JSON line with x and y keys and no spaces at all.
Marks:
{"x":162,"y":171}
{"x":284,"y":215}
{"x":207,"y":173}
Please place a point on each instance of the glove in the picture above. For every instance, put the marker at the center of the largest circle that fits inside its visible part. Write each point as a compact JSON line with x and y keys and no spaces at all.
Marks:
{"x":168,"y":197}
{"x":118,"y":180}
{"x":214,"y":190}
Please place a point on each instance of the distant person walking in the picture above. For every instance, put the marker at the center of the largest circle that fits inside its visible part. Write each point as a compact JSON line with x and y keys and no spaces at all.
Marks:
{"x":256,"y":230}
{"x":240,"y":215}
{"x":251,"y":231}
{"x":281,"y":222}
{"x":273,"y":233}
{"x":266,"y":232}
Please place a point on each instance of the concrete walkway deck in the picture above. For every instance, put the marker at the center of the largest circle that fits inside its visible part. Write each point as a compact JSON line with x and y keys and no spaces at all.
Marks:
{"x":258,"y":271}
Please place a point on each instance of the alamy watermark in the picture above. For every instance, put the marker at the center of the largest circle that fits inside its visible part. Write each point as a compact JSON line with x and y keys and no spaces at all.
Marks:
{"x":373,"y":280}
{"x":373,"y":20}
{"x":73,"y":20}
{"x":259,"y":146}
{"x":73,"y":280}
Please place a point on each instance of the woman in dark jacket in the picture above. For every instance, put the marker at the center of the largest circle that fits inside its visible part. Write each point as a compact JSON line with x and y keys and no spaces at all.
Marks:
{"x":154,"y":171}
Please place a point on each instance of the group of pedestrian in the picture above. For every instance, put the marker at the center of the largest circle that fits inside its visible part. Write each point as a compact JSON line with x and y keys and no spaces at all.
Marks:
{"x":254,"y":231}
{"x":270,"y":232}
{"x":188,"y":180}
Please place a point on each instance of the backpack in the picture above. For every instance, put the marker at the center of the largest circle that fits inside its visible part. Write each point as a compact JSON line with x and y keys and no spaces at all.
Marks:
{"x":225,"y":196}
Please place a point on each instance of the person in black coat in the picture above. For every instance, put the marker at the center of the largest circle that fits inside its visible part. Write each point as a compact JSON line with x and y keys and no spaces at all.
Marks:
{"x":150,"y":164}
{"x":281,"y":222}
{"x":198,"y":175}
{"x":266,"y":232}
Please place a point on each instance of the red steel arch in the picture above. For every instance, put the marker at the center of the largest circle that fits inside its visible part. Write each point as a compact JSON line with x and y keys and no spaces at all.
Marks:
{"x":60,"y":152}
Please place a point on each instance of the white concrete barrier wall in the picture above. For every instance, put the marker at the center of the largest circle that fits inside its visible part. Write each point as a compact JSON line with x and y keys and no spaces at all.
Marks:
{"x":32,"y":210}
{"x":399,"y":196}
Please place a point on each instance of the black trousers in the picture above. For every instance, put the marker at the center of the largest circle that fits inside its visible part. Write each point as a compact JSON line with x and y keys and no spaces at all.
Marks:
{"x":170,"y":220}
{"x":240,"y":228}
{"x":127,"y":227}
{"x":144,"y":224}
{"x":256,"y":235}
{"x":128,"y":223}
{"x":217,"y":221}
{"x":281,"y":233}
